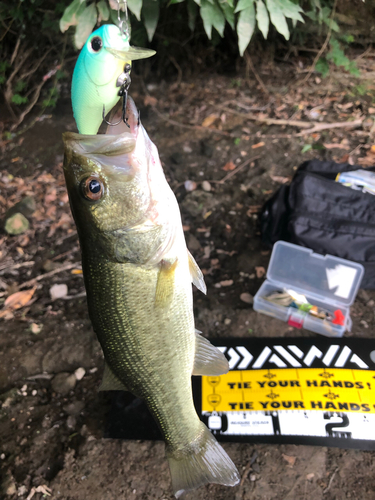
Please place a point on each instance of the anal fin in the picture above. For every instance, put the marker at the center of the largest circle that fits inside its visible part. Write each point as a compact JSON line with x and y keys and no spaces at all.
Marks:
{"x":110,"y":382}
{"x":208,"y":359}
{"x":196,"y":274}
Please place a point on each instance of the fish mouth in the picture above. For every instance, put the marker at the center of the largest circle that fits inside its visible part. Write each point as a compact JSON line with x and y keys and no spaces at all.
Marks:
{"x":131,"y":54}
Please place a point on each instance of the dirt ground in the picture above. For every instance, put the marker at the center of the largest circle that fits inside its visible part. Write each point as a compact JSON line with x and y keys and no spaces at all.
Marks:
{"x":52,"y":418}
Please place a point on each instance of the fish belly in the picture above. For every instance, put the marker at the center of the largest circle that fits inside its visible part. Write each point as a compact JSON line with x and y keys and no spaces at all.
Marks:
{"x":150,"y":348}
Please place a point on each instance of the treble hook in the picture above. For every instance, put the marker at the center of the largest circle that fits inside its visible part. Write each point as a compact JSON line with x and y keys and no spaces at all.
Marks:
{"x":123,"y":81}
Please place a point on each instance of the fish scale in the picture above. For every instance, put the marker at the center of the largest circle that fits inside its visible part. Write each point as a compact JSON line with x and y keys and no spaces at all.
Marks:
{"x":114,"y":299}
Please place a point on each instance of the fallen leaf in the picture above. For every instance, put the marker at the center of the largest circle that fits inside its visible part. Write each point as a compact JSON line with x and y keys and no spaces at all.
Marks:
{"x":50,"y":196}
{"x":209,"y":120}
{"x":76,"y":271}
{"x":6,"y":314}
{"x":150,"y":101}
{"x":260,"y":271}
{"x":19,"y":299}
{"x":280,"y":179}
{"x":336,"y":145}
{"x":40,"y":489}
{"x":348,"y":105}
{"x":229,"y":166}
{"x":344,"y":158}
{"x":291,"y":460}
{"x":254,"y":209}
{"x":257,"y":145}
{"x":24,"y":240}
{"x":372,"y":149}
{"x":367,"y":161}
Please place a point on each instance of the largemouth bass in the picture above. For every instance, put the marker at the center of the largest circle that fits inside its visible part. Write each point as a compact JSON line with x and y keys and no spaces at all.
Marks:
{"x":138,"y":274}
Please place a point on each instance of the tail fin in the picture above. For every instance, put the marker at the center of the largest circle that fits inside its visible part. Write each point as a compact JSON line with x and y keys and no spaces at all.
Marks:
{"x":202,"y":462}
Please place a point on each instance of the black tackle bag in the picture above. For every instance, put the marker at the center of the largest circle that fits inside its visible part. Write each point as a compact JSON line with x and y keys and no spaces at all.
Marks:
{"x":316,"y":212}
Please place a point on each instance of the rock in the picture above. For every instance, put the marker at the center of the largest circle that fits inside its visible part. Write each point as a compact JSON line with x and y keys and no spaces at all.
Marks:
{"x":206,"y":186}
{"x":8,"y":485}
{"x":49,"y":265}
{"x":247,"y":298}
{"x":26,"y":207}
{"x":63,"y":383}
{"x":193,"y":243}
{"x":58,"y":291}
{"x":190,"y":185}
{"x":197,"y":202}
{"x":80,"y":373}
{"x":256,"y":467}
{"x":74,"y":408}
{"x":35,"y":328}
{"x":16,"y":224}
{"x":226,"y":283}
{"x":65,"y":358}
{"x":22,"y":490}
{"x":10,"y":397}
{"x":71,"y":422}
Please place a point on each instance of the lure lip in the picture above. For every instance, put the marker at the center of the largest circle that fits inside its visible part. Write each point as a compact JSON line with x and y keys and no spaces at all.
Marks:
{"x":132,"y":53}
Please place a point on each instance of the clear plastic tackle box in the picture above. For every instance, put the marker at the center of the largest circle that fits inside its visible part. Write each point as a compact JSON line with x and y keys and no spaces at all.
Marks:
{"x":328,"y":283}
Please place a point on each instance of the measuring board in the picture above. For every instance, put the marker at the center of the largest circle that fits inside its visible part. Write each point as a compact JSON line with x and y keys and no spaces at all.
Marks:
{"x":316,"y":391}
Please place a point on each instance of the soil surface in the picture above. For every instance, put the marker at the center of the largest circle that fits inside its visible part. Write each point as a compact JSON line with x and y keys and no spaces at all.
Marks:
{"x":52,"y":418}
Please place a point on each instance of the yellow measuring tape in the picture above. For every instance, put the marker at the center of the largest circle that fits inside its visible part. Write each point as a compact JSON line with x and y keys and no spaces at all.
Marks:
{"x":320,"y":389}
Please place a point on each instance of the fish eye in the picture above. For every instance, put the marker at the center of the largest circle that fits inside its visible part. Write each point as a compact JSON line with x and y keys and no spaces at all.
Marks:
{"x":96,"y":43}
{"x":92,"y":188}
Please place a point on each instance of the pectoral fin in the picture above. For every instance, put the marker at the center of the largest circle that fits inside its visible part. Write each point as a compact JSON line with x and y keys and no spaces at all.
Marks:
{"x":196,"y":274}
{"x":208,"y":359}
{"x":165,"y":283}
{"x":110,"y":382}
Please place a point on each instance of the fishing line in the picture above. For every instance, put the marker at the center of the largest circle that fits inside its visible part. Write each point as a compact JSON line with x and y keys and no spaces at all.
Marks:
{"x":123,"y":24}
{"x":124,"y":80}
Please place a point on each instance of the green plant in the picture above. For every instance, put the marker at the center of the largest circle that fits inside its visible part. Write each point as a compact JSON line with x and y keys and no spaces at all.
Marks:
{"x":242,"y":16}
{"x":31,"y":51}
{"x":337,"y":56}
{"x":324,"y":15}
